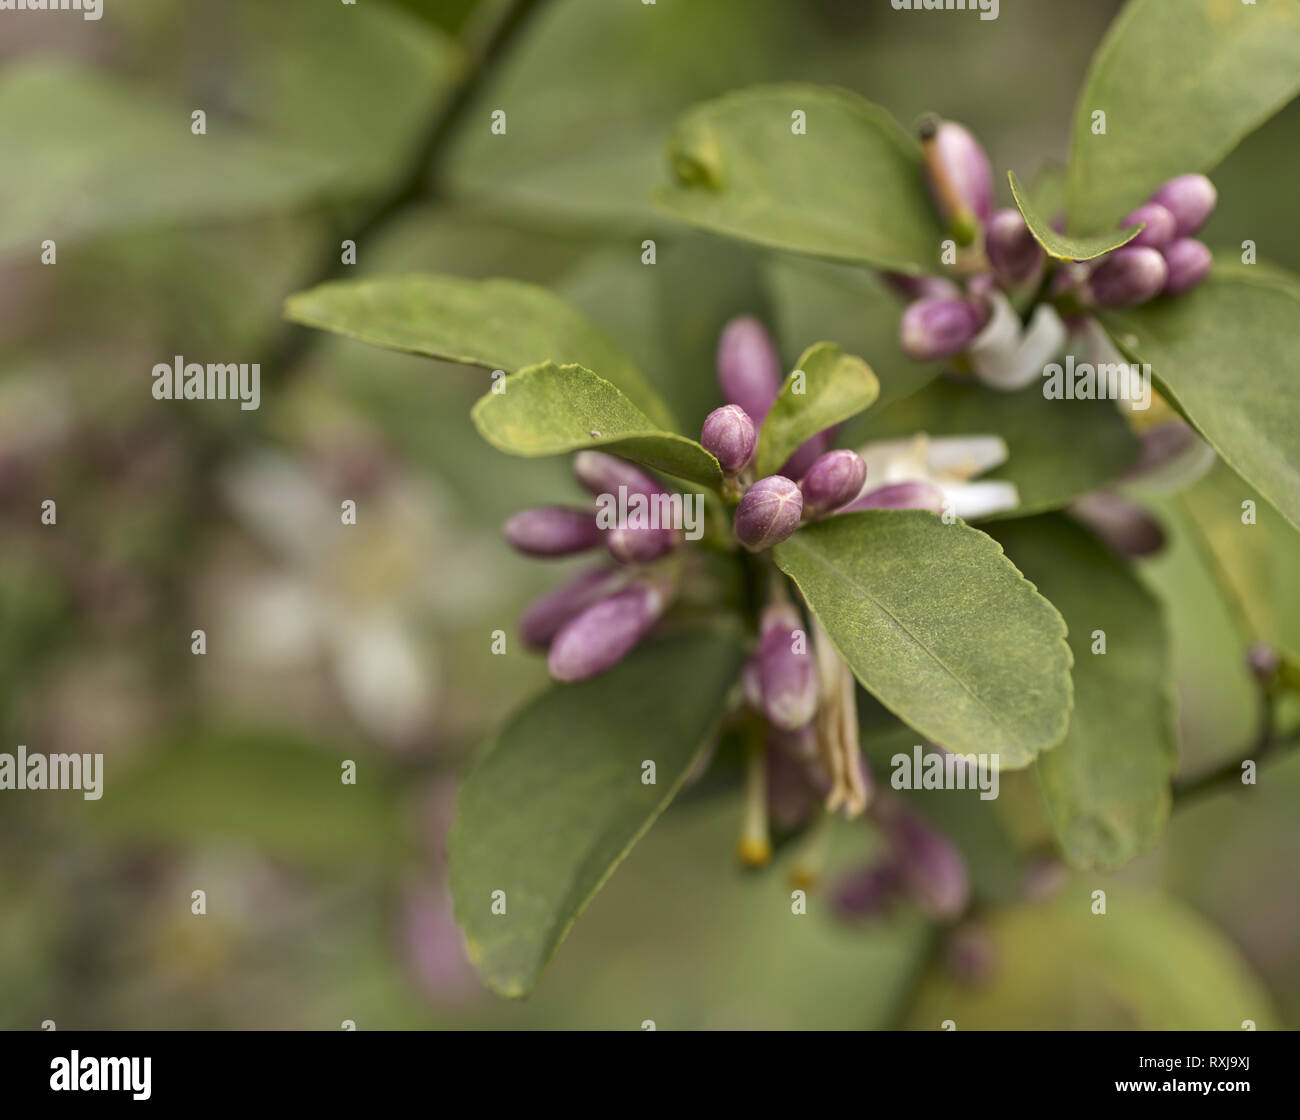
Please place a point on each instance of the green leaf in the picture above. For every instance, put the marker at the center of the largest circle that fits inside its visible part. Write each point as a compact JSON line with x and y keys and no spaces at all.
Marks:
{"x":1255,"y":562}
{"x":100,"y":156}
{"x":851,"y":188}
{"x":1227,"y":352}
{"x":1057,"y":449}
{"x":1180,"y":82}
{"x":558,"y":801}
{"x":939,"y":626}
{"x":549,"y":410}
{"x":1062,"y":967}
{"x":833,"y":386}
{"x":282,"y":797}
{"x":497,"y":324}
{"x":1058,"y":245}
{"x":1107,"y":784}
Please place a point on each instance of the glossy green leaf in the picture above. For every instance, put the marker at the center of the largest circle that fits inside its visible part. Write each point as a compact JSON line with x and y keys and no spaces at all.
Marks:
{"x":1180,"y":82}
{"x":1057,"y":449}
{"x":1058,"y":245}
{"x":939,"y":626}
{"x":1227,"y":352}
{"x":1148,"y":963}
{"x":851,"y":188}
{"x":826,"y":387}
{"x":558,"y":800}
{"x":1107,"y":784}
{"x":497,"y":324}
{"x":549,"y":410}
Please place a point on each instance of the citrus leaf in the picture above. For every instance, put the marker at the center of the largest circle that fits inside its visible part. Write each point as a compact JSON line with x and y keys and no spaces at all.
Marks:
{"x":497,"y":324}
{"x":939,"y":626}
{"x":826,"y":387}
{"x":559,"y":799}
{"x":1227,"y":353}
{"x":549,"y":410}
{"x":1059,"y":246}
{"x":68,"y":128}
{"x":851,"y":188}
{"x":1180,"y":82}
{"x":1107,"y":784}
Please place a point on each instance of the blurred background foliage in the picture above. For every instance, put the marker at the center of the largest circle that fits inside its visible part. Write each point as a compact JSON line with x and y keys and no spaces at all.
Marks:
{"x":327,"y":902}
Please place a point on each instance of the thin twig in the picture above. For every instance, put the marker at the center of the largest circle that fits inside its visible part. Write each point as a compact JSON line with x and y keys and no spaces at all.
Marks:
{"x":418,"y":183}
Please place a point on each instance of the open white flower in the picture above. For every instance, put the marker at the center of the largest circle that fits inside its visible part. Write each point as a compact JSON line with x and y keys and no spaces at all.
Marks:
{"x":948,"y":463}
{"x":1006,"y":355}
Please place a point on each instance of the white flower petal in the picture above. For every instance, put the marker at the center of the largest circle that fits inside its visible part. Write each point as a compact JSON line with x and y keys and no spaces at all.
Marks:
{"x":973,"y":500}
{"x":994,"y":348}
{"x":958,"y":458}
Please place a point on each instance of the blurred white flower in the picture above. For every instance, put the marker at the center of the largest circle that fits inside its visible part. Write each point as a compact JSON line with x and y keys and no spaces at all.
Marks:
{"x":354,"y":593}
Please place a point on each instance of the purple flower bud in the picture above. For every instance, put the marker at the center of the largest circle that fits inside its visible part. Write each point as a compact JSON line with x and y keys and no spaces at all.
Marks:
{"x":1189,"y":263}
{"x":1161,"y":228}
{"x":728,"y":435}
{"x":921,"y":287}
{"x":1124,"y":526}
{"x":599,"y":474}
{"x":1190,"y":199}
{"x":639,"y":546}
{"x":938,"y":328}
{"x":786,"y":669}
{"x":1012,"y":250}
{"x":868,"y":894}
{"x":749,"y":368}
{"x":932,"y":869}
{"x":806,"y":454}
{"x":834,"y":479}
{"x":602,"y":635}
{"x":1128,"y":277}
{"x":961,"y":180}
{"x":545,"y":616}
{"x":768,"y":513}
{"x":898,"y":495}
{"x":552,"y":531}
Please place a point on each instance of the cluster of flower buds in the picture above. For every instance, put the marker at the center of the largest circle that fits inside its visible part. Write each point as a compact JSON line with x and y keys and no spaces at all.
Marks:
{"x":1000,"y":256}
{"x":798,"y":697}
{"x":1164,"y":259}
{"x":593,"y":621}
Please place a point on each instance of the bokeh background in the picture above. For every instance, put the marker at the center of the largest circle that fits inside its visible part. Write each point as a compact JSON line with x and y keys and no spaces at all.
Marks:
{"x":328,"y":903}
